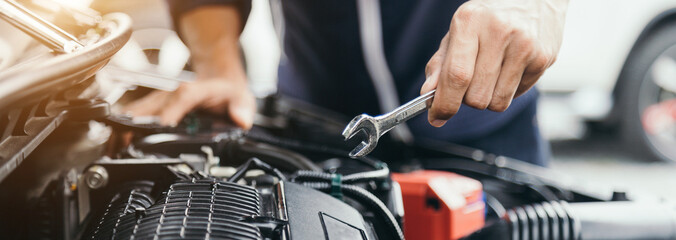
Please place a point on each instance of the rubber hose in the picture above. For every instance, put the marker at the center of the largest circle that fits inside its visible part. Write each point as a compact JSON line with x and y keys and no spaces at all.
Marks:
{"x":379,"y":174}
{"x":255,"y":163}
{"x":294,"y":144}
{"x":304,"y":175}
{"x":281,"y":158}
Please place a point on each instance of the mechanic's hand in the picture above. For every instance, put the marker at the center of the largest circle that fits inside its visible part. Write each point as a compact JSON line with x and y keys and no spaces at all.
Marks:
{"x":494,"y":51}
{"x":217,"y":95}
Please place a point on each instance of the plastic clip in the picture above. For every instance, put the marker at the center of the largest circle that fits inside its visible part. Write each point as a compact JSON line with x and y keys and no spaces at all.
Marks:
{"x":336,"y":182}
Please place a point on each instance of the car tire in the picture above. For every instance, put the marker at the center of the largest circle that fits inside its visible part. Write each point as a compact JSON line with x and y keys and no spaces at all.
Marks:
{"x":636,"y":90}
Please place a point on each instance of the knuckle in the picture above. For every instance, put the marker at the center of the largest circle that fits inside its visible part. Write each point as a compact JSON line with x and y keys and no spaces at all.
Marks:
{"x":506,"y":32}
{"x":486,"y":71}
{"x":500,"y":34}
{"x":523,"y":88}
{"x":434,"y":61}
{"x":478,"y":101}
{"x":499,"y":107}
{"x":514,"y":30}
{"x":432,"y":64}
{"x":526,"y":46}
{"x":540,"y":63}
{"x":527,"y":39}
{"x":501,"y":101}
{"x":552,"y":60}
{"x":501,"y":96}
{"x":501,"y":28}
{"x":465,"y":12}
{"x":459,"y":77}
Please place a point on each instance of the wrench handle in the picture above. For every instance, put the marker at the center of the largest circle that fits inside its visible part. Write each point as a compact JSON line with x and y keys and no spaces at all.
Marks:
{"x":407,"y":111}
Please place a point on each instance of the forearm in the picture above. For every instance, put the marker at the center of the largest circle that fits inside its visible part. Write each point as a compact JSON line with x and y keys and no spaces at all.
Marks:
{"x":212,"y":35}
{"x":211,"y":29}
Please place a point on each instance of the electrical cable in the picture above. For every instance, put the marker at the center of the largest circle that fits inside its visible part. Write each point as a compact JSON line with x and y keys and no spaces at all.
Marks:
{"x":279,"y":157}
{"x":309,"y":147}
{"x":494,"y":204}
{"x":257,"y":163}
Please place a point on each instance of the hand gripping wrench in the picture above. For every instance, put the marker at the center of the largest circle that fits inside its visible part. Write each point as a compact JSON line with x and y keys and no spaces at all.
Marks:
{"x":374,"y":127}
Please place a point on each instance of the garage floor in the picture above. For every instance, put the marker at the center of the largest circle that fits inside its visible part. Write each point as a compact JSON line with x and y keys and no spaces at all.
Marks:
{"x":600,"y":160}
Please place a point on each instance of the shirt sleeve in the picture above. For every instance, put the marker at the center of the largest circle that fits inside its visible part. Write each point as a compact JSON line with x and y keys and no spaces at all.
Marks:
{"x":179,"y":7}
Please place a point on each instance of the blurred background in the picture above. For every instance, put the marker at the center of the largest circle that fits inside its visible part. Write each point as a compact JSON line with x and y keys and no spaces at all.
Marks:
{"x":608,"y":105}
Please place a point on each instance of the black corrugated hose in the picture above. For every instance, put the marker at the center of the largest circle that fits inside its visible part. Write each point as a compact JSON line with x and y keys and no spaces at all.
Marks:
{"x":380,"y":174}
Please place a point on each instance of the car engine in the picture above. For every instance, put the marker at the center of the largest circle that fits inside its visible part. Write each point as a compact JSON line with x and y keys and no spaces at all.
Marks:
{"x":73,"y":168}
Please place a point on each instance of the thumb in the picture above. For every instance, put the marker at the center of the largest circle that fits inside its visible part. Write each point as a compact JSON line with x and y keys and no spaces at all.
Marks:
{"x":242,"y":110}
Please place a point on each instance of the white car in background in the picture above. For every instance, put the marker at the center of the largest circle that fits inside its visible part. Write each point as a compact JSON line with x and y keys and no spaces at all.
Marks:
{"x":617,"y":66}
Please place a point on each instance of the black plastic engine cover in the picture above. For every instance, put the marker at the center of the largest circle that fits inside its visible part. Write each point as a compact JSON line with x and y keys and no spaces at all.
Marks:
{"x":316,"y":215}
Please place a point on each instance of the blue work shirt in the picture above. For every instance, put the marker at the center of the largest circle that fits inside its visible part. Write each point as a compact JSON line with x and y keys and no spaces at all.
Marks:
{"x":324,"y":65}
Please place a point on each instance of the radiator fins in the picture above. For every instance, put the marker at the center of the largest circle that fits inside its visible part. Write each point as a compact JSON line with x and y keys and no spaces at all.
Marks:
{"x":197,"y":209}
{"x":543,"y":221}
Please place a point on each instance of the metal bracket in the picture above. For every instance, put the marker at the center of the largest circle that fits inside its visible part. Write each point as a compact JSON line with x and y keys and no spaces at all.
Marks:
{"x":40,"y":29}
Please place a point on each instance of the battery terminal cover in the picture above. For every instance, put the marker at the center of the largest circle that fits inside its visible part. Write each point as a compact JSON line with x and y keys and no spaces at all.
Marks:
{"x":440,"y":205}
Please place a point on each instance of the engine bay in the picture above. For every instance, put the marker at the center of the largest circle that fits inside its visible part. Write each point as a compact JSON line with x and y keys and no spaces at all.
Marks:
{"x":72,"y":168}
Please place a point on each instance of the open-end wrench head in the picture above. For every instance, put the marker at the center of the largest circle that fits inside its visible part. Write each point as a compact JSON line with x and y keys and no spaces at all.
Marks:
{"x":354,"y":126}
{"x":363,"y":148}
{"x":366,"y":124}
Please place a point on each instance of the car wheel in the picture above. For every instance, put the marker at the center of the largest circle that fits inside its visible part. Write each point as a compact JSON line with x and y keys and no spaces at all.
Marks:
{"x":646,"y":96}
